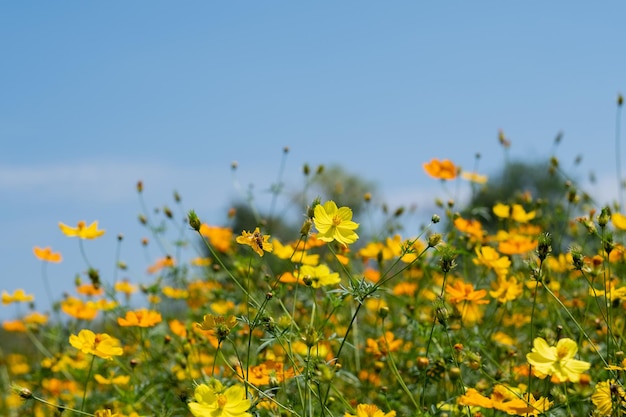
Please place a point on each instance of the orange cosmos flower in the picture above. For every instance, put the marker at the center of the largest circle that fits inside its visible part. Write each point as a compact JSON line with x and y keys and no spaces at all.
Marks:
{"x":166,"y":262}
{"x":140,"y":318}
{"x":46,"y":254}
{"x":14,"y":326}
{"x":81,"y":230}
{"x":370,"y":410}
{"x":473,"y":398}
{"x":471,"y":299}
{"x":444,"y":170}
{"x":220,"y":238}
{"x":517,"y":245}
{"x":471,"y":227}
{"x":79,"y":309}
{"x":266,"y":373}
{"x":89,"y":290}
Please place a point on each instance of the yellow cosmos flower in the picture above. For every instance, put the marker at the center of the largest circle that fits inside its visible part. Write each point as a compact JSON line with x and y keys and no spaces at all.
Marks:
{"x":175,"y":293}
{"x":46,"y":254}
{"x":18,"y":296}
{"x":505,"y":289}
{"x":125,"y":287}
{"x":370,"y":410}
{"x":334,"y":223}
{"x":608,"y":397}
{"x":557,"y":360}
{"x":101,"y":344}
{"x":219,"y":325}
{"x":516,"y":212}
{"x":619,"y":221}
{"x":81,"y":230}
{"x":489,"y":257}
{"x":105,"y":413}
{"x":318,"y":276}
{"x":257,"y":241}
{"x":36,"y":318}
{"x":140,"y":318}
{"x":443,"y":170}
{"x":474,"y":177}
{"x":212,"y":401}
{"x":296,"y":256}
{"x":112,"y":379}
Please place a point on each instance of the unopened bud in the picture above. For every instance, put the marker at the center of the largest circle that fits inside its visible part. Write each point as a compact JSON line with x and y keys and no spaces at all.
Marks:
{"x":544,"y":246}
{"x":306,"y":227}
{"x":435,"y":219}
{"x":434,"y":240}
{"x":194,"y":221}
{"x":139,"y":186}
{"x":604,"y":217}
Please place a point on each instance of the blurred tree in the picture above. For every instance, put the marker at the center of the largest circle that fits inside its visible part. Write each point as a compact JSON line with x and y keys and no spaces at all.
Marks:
{"x":333,"y":183}
{"x":540,"y":186}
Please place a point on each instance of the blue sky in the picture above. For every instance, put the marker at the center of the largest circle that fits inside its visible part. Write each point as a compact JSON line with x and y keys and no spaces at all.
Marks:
{"x":97,"y":95}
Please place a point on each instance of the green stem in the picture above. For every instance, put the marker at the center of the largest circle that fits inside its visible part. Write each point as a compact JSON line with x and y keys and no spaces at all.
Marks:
{"x":82,"y":404}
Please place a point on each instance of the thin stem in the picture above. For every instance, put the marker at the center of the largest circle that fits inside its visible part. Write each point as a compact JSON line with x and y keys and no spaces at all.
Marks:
{"x":82,"y":404}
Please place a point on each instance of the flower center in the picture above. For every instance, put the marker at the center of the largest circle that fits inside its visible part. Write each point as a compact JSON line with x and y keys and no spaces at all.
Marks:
{"x":561,"y":352}
{"x":221,"y":400}
{"x":336,"y":220}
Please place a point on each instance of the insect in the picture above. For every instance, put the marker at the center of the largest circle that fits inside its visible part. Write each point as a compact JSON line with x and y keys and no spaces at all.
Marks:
{"x":257,"y":237}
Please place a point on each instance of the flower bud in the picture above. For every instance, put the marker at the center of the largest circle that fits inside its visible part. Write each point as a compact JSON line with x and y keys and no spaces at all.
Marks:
{"x":604,"y":217}
{"x":454,"y":373}
{"x":544,"y":246}
{"x":194,"y":221}
{"x":139,"y":186}
{"x":434,"y":240}
{"x":435,"y":219}
{"x":306,"y":227}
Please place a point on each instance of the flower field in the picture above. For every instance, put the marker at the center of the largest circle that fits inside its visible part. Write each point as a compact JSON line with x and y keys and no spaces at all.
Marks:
{"x":512,"y":309}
